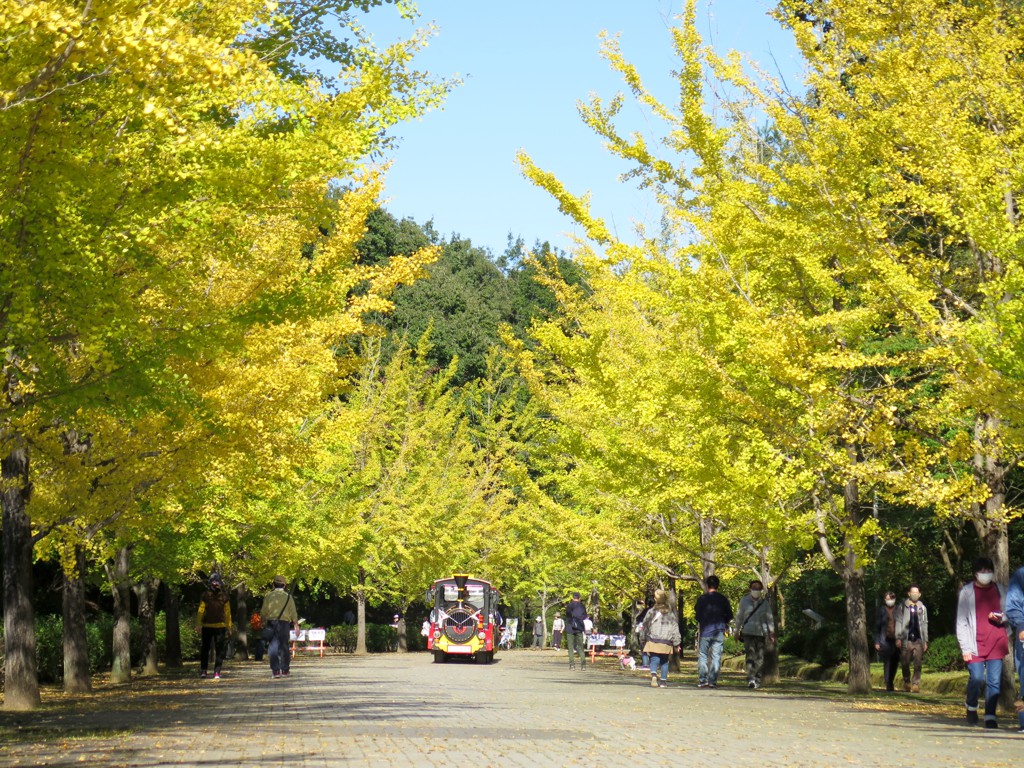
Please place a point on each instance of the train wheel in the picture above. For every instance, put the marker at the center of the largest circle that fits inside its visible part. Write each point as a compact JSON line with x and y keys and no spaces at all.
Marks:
{"x":440,"y":657}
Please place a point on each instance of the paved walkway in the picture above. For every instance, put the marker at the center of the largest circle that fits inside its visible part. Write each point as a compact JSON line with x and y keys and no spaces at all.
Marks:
{"x":526,"y":710}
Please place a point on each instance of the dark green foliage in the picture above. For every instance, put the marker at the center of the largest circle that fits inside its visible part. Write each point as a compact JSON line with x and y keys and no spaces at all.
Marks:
{"x":342,"y":638}
{"x":827,"y":645}
{"x":944,"y":654}
{"x":99,"y":635}
{"x":731,"y":646}
{"x":467,"y":297}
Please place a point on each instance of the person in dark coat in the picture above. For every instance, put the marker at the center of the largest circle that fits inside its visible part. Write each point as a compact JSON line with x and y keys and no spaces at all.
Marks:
{"x":713,"y":613}
{"x":576,"y":614}
{"x":885,"y":638}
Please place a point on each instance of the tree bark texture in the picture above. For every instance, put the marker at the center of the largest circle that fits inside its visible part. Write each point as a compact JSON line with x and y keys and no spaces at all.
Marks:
{"x":852,"y":574}
{"x":361,"y":614}
{"x":76,"y":642}
{"x":117,"y":574}
{"x":172,"y":612}
{"x":21,"y":679}
{"x":241,"y":616}
{"x":146,"y":591}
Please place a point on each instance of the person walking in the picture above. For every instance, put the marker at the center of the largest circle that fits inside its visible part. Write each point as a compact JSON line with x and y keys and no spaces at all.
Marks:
{"x":557,"y":628}
{"x":912,"y":637}
{"x":981,"y":632}
{"x":755,"y":627}
{"x":280,"y":615}
{"x":1015,"y":615}
{"x":538,"y":634}
{"x":661,"y":628}
{"x":576,"y":613}
{"x":886,"y":625}
{"x":213,"y":622}
{"x":713,"y":613}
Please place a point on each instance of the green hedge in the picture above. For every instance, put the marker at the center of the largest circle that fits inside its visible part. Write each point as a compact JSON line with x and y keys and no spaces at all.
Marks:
{"x":944,"y":654}
{"x":380,"y":638}
{"x":99,"y":634}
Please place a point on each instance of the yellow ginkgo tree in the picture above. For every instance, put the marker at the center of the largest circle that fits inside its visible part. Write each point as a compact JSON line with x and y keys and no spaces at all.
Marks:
{"x":165,"y":194}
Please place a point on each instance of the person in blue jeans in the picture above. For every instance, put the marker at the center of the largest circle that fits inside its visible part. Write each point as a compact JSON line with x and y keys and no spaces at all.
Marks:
{"x":661,"y":628}
{"x":713,"y":613}
{"x":279,"y":612}
{"x":1015,"y":615}
{"x":981,"y":633}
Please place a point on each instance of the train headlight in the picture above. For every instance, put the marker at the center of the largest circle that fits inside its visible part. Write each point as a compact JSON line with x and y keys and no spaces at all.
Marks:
{"x":481,"y":634}
{"x":437,"y":634}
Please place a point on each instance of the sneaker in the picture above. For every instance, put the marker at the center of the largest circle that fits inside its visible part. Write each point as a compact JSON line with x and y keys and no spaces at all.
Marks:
{"x":572,"y":667}
{"x":203,"y":675}
{"x":654,"y":682}
{"x":991,"y":723}
{"x":712,"y":685}
{"x":915,"y":688}
{"x":277,"y":675}
{"x":284,"y":673}
{"x":663,"y":684}
{"x":906,"y":687}
{"x":751,"y":685}
{"x":702,"y":684}
{"x":216,"y":675}
{"x":972,"y":717}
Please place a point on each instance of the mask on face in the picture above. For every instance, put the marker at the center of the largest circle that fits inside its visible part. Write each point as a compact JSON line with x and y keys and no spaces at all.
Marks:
{"x":890,"y":603}
{"x":983,"y":577}
{"x":756,"y":594}
{"x":914,"y":598}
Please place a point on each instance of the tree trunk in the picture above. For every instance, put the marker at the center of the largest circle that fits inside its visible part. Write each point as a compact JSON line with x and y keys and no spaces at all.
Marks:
{"x":361,"y":614}
{"x":117,"y":575}
{"x":172,"y":613}
{"x":544,"y":605}
{"x":21,"y":679}
{"x":852,"y":573}
{"x":770,"y":670}
{"x":241,"y":616}
{"x":146,"y":592}
{"x":76,"y":643}
{"x":673,"y":600}
{"x":859,"y":680}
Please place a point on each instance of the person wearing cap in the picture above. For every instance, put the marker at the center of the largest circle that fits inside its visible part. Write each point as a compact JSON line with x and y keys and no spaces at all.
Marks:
{"x":280,"y":615}
{"x":213,"y":623}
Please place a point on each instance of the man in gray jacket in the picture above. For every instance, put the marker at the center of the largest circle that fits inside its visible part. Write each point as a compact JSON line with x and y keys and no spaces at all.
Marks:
{"x":912,"y":637}
{"x":755,"y":626}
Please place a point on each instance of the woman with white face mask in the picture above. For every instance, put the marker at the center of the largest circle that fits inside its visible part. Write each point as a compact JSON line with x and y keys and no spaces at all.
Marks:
{"x":981,"y":632}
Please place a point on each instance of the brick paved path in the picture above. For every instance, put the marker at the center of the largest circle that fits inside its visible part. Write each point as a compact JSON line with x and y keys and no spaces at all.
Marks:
{"x":526,"y":710}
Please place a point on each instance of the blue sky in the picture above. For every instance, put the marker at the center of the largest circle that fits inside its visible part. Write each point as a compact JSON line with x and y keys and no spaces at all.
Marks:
{"x":525,"y":65}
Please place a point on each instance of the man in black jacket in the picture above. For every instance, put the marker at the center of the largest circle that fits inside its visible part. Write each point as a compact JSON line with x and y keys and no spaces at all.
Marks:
{"x":713,"y":614}
{"x":575,"y":614}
